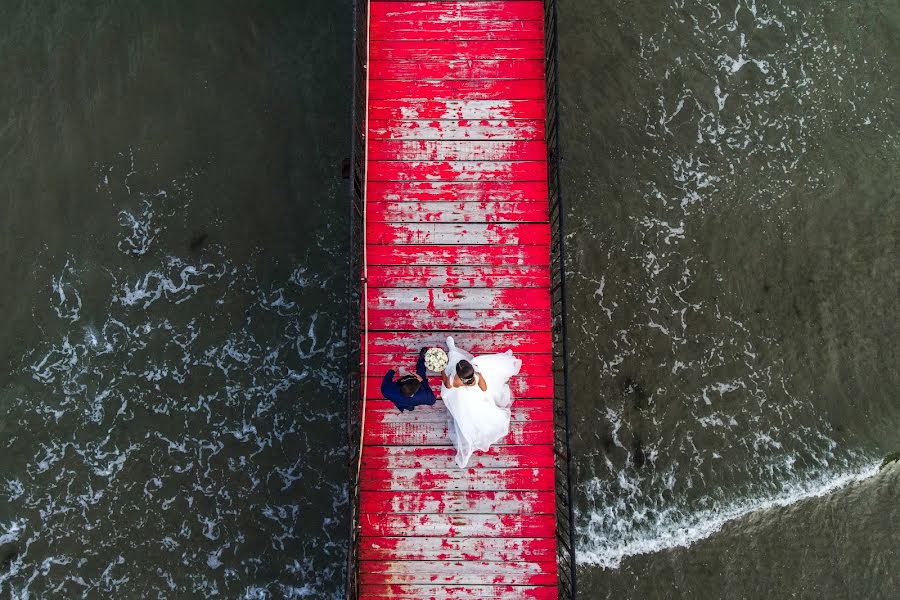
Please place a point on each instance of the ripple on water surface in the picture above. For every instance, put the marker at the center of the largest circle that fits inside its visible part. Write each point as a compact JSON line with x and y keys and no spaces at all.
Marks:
{"x":710,"y":248}
{"x":178,"y":430}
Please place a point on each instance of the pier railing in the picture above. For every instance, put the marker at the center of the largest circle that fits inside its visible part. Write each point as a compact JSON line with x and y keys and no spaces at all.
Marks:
{"x":565,"y":517}
{"x":357,"y":282}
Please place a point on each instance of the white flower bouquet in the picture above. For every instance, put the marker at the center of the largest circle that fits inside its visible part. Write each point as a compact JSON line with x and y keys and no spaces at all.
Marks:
{"x":435,"y":359}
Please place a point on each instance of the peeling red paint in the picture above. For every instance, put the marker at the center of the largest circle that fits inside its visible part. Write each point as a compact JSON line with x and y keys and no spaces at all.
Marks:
{"x":457,"y":191}
{"x":458,"y":254}
{"x":460,"y":129}
{"x":448,"y":50}
{"x":464,"y":109}
{"x":478,"y":342}
{"x":455,"y":150}
{"x":458,"y":11}
{"x":457,"y":170}
{"x":458,"y":241}
{"x":463,"y":212}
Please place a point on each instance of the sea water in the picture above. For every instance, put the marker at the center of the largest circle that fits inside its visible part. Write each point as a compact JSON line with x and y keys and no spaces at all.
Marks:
{"x":731,"y":174}
{"x":173,"y":268}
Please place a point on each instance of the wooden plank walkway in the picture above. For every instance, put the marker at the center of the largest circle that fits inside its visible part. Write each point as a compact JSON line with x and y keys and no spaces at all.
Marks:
{"x":457,"y":242}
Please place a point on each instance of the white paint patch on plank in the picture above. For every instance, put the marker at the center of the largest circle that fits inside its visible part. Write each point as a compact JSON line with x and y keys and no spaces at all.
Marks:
{"x":456,"y":109}
{"x":457,"y":525}
{"x":422,"y":150}
{"x":459,"y":298}
{"x":476,"y":342}
{"x":470,"y":572}
{"x":439,"y":548}
{"x":459,"y":234}
{"x":534,"y":478}
{"x":499,"y":276}
{"x":518,"y":129}
{"x":458,"y":502}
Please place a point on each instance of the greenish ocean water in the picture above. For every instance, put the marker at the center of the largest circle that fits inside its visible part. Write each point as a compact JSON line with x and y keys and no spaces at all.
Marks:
{"x":731,"y":173}
{"x":173,"y":227}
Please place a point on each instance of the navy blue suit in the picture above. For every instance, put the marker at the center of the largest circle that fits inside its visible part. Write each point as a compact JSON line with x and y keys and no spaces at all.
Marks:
{"x":391,"y":390}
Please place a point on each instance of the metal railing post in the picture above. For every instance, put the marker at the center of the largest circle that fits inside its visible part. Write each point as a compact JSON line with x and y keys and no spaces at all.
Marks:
{"x":565,"y":517}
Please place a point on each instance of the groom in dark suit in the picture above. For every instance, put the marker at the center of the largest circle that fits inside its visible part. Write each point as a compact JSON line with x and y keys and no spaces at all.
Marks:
{"x":409,"y":391}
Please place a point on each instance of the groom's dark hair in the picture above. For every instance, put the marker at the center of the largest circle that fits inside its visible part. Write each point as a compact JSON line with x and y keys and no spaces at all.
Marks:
{"x":409,"y":385}
{"x":466,"y":371}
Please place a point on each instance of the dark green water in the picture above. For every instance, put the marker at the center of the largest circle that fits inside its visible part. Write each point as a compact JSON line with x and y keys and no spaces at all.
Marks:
{"x":731,"y":171}
{"x":173,"y":233}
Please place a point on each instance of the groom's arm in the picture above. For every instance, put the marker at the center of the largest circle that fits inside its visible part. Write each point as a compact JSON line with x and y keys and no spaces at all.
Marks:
{"x":387,"y":385}
{"x":420,"y":368}
{"x":430,"y":398}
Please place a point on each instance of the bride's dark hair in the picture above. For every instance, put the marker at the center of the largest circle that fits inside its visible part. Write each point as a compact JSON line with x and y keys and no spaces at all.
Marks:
{"x":466,"y":372}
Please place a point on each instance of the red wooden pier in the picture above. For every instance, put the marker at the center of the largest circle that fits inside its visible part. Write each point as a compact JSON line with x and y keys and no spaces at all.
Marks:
{"x":457,"y":241}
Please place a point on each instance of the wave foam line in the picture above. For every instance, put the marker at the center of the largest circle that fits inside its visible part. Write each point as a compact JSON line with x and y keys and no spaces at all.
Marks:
{"x":703,"y":524}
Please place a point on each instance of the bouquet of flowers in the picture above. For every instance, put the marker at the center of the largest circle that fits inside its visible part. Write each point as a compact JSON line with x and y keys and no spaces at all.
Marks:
{"x":435,"y":359}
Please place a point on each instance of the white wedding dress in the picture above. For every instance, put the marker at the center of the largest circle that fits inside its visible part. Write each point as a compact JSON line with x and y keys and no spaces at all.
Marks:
{"x":479,"y":419}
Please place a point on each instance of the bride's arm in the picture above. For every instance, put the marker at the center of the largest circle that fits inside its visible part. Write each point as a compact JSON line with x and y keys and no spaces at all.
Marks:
{"x":446,"y":380}
{"x":482,"y":383}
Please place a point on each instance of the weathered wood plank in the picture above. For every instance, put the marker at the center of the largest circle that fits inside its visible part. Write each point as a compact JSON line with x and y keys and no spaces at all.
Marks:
{"x":435,"y":434}
{"x":457,"y":212}
{"x":470,"y":572}
{"x":457,"y":525}
{"x":460,"y":592}
{"x":459,"y":298}
{"x":458,"y":170}
{"x":427,"y":30}
{"x":440,"y":548}
{"x":457,"y":479}
{"x":497,"y":90}
{"x":457,"y":191}
{"x":456,"y":129}
{"x":459,"y":49}
{"x":502,"y":276}
{"x":466,"y":109}
{"x":456,"y":69}
{"x":441,"y":457}
{"x":458,"y":255}
{"x":454,"y":150}
{"x":476,"y":342}
{"x":448,"y":11}
{"x":491,"y":320}
{"x":415,"y":234}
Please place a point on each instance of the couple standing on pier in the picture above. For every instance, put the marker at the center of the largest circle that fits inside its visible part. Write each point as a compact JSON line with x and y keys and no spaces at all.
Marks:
{"x":475,"y":391}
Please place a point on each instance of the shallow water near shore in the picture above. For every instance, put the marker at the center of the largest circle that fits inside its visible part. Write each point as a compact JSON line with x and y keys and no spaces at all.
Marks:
{"x":173,"y":233}
{"x":731,"y":172}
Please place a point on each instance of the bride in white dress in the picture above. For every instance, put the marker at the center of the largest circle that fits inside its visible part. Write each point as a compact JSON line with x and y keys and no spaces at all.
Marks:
{"x":476,"y":392}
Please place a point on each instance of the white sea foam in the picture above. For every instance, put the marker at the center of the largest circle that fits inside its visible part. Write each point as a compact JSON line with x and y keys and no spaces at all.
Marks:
{"x":66,"y":300}
{"x":11,"y":531}
{"x":676,"y":529}
{"x":178,"y":283}
{"x":141,"y":230}
{"x":207,"y":416}
{"x":705,"y":417}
